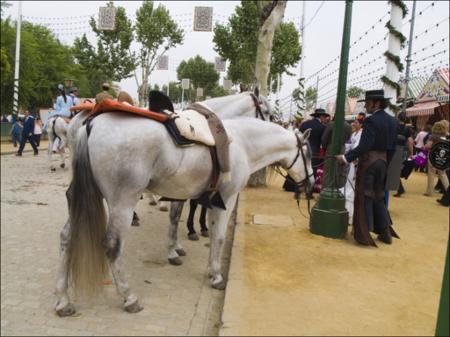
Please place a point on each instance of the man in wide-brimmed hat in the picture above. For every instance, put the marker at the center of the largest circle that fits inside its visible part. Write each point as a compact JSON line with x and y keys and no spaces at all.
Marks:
{"x":375,"y":150}
{"x":104,"y":94}
{"x":73,"y":93}
{"x":317,"y":127}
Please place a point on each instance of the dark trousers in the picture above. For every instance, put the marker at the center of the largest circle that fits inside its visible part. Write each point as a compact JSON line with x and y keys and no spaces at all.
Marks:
{"x":377,"y":217}
{"x":16,"y":139}
{"x":23,"y":142}
{"x":37,"y":140}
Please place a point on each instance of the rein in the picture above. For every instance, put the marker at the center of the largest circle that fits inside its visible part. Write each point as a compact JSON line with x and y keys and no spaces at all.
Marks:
{"x":258,"y":112}
{"x":303,"y":182}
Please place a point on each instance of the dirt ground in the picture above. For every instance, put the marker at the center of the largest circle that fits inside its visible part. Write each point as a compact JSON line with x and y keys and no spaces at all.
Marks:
{"x":291,"y":282}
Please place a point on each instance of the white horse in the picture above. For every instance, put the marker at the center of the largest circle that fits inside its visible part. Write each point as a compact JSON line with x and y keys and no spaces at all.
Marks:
{"x":119,"y":166}
{"x":246,"y":104}
{"x":57,"y":140}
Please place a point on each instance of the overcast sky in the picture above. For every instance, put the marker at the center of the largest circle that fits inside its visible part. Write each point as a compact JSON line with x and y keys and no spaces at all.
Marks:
{"x":323,"y":36}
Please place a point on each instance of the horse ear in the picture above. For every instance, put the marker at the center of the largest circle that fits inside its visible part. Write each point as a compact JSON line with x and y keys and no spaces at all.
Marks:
{"x":305,"y":135}
{"x":159,"y":101}
{"x":256,"y":91}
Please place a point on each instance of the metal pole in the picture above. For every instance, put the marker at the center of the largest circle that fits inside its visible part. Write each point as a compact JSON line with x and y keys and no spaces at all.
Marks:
{"x":17,"y":63}
{"x":408,"y":58}
{"x":168,"y":82}
{"x":182,"y":96}
{"x":317,"y":92}
{"x":301,"y":80}
{"x":329,"y":216}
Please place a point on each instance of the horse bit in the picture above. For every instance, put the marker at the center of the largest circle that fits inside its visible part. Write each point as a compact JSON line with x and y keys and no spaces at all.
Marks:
{"x":304,"y":181}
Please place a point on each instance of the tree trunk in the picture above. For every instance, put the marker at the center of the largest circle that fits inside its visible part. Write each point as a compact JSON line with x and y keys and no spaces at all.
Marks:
{"x":273,"y":13}
{"x":258,"y":179}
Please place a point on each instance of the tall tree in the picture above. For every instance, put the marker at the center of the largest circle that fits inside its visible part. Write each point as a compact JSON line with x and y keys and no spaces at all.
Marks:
{"x":201,"y":73}
{"x":45,"y":62}
{"x":114,"y":57}
{"x":112,"y":60}
{"x":157,"y":33}
{"x":310,"y":97}
{"x":271,"y":14}
{"x":3,"y":5}
{"x":355,"y":91}
{"x":237,"y":42}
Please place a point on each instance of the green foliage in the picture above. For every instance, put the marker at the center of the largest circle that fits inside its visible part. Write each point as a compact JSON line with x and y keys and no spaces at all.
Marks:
{"x":113,"y":47}
{"x":310,"y":97}
{"x":355,"y":91}
{"x":3,"y":5}
{"x":201,"y":73}
{"x":44,"y":62}
{"x":157,"y":33}
{"x":237,"y":42}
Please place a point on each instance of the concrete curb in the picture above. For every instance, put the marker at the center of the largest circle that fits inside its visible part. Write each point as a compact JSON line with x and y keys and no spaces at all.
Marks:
{"x":233,"y":292}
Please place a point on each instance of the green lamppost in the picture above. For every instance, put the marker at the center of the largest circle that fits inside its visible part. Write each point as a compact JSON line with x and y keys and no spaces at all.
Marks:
{"x":329,"y":216}
{"x":442,"y":324}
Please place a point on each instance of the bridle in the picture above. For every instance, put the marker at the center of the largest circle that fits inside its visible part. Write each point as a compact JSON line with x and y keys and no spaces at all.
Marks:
{"x":258,"y":111}
{"x":304,"y":181}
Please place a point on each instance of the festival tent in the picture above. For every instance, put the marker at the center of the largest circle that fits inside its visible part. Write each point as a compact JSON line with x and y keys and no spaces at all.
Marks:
{"x":433,"y":101}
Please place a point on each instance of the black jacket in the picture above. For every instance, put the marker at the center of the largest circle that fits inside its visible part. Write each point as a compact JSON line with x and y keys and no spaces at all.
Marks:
{"x":317,"y":129}
{"x":379,"y":134}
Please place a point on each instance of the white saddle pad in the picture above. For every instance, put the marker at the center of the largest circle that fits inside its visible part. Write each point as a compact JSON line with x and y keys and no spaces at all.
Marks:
{"x":194,"y":126}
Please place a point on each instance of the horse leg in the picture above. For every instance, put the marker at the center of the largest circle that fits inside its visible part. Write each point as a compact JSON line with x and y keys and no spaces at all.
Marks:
{"x":135,"y":221}
{"x":119,"y":222}
{"x":50,"y":151}
{"x":203,"y":228}
{"x":62,"y":152}
{"x":218,"y":221}
{"x":163,"y":206}
{"x":63,"y":307}
{"x":175,"y":249}
{"x":192,"y":235}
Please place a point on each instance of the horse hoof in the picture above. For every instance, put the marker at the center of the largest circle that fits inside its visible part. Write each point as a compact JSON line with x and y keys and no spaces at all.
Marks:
{"x":193,"y":237}
{"x":175,"y":261}
{"x":68,"y":310}
{"x":62,"y":165}
{"x":53,"y":169}
{"x":152,"y":202}
{"x":163,"y":208}
{"x":205,"y":234}
{"x":133,"y":308}
{"x":219,"y":285}
{"x":180,"y":252}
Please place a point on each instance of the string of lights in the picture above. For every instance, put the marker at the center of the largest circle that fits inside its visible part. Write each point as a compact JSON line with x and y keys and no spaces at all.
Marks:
{"x":366,"y":33}
{"x":309,"y":78}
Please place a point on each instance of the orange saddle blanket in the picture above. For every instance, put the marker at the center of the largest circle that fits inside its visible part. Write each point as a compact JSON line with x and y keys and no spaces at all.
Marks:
{"x":109,"y":105}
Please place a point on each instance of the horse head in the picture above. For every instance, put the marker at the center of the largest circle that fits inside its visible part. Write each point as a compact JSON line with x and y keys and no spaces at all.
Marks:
{"x":300,"y":170}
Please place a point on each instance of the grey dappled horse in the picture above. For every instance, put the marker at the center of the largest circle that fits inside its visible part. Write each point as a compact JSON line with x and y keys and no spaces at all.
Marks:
{"x":118,"y":168}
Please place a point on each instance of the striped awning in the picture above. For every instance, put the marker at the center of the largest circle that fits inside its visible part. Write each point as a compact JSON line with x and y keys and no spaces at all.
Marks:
{"x":422,"y":109}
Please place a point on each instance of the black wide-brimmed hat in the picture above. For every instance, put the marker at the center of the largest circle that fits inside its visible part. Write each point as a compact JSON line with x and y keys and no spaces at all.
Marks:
{"x":319,"y":112}
{"x":374,"y":95}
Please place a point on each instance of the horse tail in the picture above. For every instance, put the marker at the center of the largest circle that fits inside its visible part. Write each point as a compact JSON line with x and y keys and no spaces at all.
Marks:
{"x":86,"y":259}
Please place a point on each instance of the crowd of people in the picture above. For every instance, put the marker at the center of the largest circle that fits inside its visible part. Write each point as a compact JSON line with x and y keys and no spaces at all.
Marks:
{"x":372,"y":161}
{"x":29,"y":128}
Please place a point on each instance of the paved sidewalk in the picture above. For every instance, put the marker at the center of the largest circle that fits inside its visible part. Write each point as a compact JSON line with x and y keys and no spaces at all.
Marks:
{"x":283,"y":280}
{"x":176,"y":300}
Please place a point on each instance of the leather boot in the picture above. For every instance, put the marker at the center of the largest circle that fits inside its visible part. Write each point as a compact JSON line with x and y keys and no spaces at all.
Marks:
{"x":385,"y":236}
